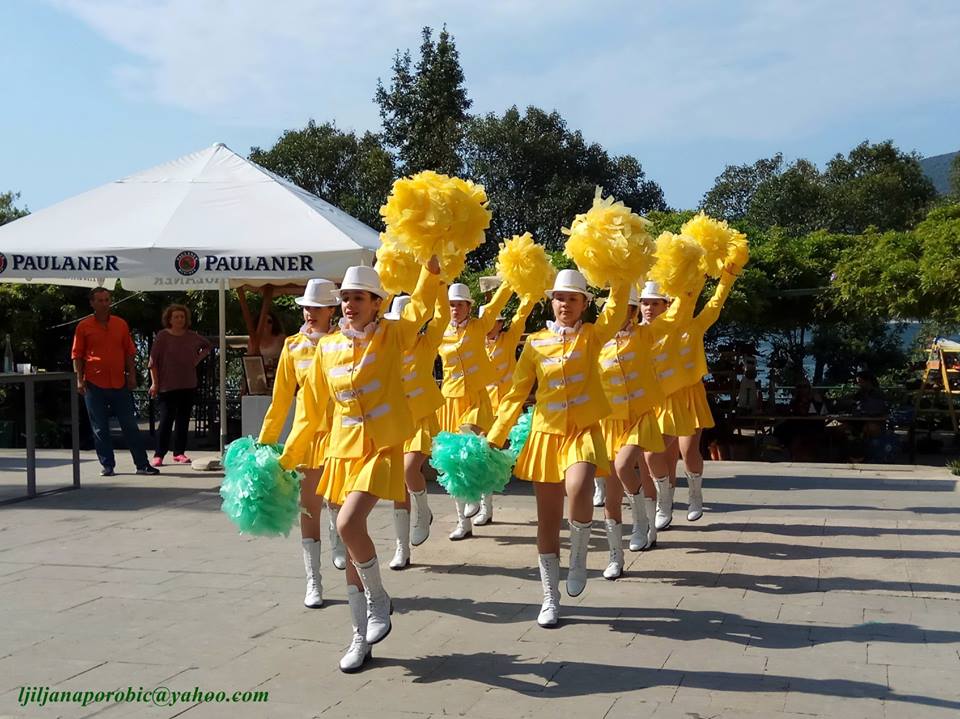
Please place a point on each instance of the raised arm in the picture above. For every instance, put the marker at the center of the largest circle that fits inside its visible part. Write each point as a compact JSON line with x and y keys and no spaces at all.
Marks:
{"x":284,"y":389}
{"x":495,"y":306}
{"x":512,"y":403}
{"x":441,"y":318}
{"x":614,"y":313}
{"x":312,"y":406}
{"x":711,"y":311}
{"x":518,"y":323}
{"x":422,"y":300}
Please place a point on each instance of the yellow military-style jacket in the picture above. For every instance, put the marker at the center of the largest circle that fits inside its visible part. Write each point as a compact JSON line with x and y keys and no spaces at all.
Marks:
{"x":564,"y":364}
{"x":361,"y":372}
{"x":627,"y":373}
{"x":292,"y":369}
{"x":419,"y":385}
{"x":466,"y":367}
{"x":678,"y":353}
{"x":503,"y":352}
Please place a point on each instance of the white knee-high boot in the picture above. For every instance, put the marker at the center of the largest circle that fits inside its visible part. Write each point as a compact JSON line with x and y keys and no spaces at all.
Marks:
{"x":338,"y":552}
{"x":599,"y":491}
{"x":379,"y":606}
{"x":550,"y":579}
{"x":464,"y":526}
{"x":358,"y":653}
{"x":638,"y":538}
{"x":577,"y":571}
{"x":401,"y":524}
{"x":615,"y":541}
{"x":650,"y":505}
{"x":694,"y":496}
{"x":420,"y":530}
{"x":311,"y":564}
{"x":664,"y":502}
{"x":485,"y":515}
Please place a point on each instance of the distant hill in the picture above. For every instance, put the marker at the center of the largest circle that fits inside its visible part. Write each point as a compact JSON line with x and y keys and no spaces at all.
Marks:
{"x":937,"y":168}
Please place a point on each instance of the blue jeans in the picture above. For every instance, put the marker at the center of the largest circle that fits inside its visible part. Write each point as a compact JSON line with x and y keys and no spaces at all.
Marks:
{"x":101,"y":404}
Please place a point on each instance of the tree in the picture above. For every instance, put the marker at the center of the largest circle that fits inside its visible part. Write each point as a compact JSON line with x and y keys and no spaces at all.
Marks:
{"x":539,"y":174}
{"x":955,"y":178}
{"x":793,"y":199}
{"x":352,"y":173}
{"x":8,"y":210}
{"x":424,"y":109}
{"x":733,"y":190}
{"x":876,"y":186}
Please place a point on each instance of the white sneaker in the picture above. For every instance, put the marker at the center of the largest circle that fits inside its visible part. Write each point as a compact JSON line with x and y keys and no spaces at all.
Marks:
{"x":694,"y":497}
{"x":358,"y":653}
{"x":485,"y":515}
{"x":599,"y":492}
{"x":379,"y":606}
{"x":550,"y":579}
{"x":615,"y":542}
{"x":664,"y":502}
{"x":420,"y":531}
{"x":401,"y":524}
{"x":577,"y":570}
{"x":311,"y":564}
{"x":464,"y":526}
{"x":638,"y":537}
{"x":338,"y":553}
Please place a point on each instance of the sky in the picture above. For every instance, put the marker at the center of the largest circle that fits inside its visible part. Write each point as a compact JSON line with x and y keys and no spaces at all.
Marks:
{"x":95,"y":90}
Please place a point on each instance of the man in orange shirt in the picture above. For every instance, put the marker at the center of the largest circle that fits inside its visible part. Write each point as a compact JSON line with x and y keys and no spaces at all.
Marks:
{"x":102,"y":356}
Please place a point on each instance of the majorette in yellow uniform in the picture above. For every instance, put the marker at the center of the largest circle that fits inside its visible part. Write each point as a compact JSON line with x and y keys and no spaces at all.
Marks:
{"x":681,"y":363}
{"x":419,"y":385}
{"x":503,"y":351}
{"x":361,"y":372}
{"x":467,"y":369}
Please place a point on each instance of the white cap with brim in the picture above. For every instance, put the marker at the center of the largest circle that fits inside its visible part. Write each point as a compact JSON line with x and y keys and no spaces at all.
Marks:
{"x":459,"y":292}
{"x":651,"y":291}
{"x":319,"y":293}
{"x":570,"y":281}
{"x":364,"y":279}
{"x":396,"y":307}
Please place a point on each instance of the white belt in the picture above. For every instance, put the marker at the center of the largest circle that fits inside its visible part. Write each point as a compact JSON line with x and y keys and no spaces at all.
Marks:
{"x":372,"y":414}
{"x":348,"y":394}
{"x":563,"y":381}
{"x":556,"y":406}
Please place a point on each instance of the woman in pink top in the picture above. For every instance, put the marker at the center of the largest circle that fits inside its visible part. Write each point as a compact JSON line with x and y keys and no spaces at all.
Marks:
{"x":176,"y":352}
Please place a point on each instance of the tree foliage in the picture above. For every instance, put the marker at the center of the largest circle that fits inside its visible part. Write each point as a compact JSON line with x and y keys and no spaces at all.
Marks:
{"x":8,"y":209}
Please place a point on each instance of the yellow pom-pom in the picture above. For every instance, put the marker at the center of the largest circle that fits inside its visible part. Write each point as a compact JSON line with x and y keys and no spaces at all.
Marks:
{"x":452,"y":268}
{"x":609,"y":243}
{"x":716,"y":238}
{"x":678,"y":263}
{"x":433,"y":214}
{"x":397,"y":267}
{"x":524,"y":266}
{"x":739,"y":251}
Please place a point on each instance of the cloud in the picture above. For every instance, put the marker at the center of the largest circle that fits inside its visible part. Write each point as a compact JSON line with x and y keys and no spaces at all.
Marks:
{"x":620,"y":71}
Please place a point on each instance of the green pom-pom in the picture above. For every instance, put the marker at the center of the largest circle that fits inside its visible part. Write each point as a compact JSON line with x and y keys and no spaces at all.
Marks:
{"x":259,"y":496}
{"x":468,"y":467}
{"x":519,"y":433}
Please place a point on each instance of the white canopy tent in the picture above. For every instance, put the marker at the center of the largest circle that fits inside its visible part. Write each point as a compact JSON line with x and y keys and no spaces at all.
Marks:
{"x":207,"y":220}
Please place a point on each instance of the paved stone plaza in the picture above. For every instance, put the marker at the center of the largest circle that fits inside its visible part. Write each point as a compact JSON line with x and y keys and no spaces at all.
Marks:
{"x":805,"y":591}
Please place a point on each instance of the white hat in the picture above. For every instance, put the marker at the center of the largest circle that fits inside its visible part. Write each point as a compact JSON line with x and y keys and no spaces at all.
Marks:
{"x":634,"y":296}
{"x":459,"y":292}
{"x":483,"y":308}
{"x":363,"y":278}
{"x":651,"y":291}
{"x":570,"y":281}
{"x":489,"y":284}
{"x":319,"y":293}
{"x":396,"y":307}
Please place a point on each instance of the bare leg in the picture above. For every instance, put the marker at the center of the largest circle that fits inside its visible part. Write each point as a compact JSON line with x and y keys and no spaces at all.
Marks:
{"x":612,"y":508}
{"x":625,"y":464}
{"x":549,"y":515}
{"x":646,"y":480}
{"x":352,"y":526}
{"x":578,"y":481}
{"x":313,"y":503}
{"x":689,"y":447}
{"x":673,"y":456}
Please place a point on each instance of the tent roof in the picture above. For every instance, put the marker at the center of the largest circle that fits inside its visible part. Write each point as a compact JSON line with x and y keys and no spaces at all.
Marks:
{"x":209,"y":214}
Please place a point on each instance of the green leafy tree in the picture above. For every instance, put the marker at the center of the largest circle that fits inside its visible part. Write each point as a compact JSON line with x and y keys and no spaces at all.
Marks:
{"x":732,"y":193}
{"x":425,"y":107}
{"x":8,"y":209}
{"x":955,"y":178}
{"x":354,"y":173}
{"x":539,"y":174}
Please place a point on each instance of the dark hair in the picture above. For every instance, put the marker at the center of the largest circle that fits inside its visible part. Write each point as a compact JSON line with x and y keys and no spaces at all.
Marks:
{"x":276,"y":326}
{"x":97,"y":290}
{"x":167,"y":318}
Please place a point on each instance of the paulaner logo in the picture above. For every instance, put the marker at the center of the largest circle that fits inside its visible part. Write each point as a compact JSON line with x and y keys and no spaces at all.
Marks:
{"x":63,"y":263}
{"x":247,"y":263}
{"x":187,"y":263}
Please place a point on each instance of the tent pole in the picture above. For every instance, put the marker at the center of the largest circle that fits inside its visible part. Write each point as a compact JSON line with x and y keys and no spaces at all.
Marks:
{"x":222,"y":355}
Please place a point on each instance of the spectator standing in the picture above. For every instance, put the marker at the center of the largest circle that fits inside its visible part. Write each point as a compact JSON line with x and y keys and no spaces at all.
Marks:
{"x":176,"y":352}
{"x":103,"y":354}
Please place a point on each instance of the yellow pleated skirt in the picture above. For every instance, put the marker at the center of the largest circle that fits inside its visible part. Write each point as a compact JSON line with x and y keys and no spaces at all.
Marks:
{"x":644,"y":433}
{"x":469,"y":409}
{"x":318,"y":451}
{"x":685,"y":411}
{"x":422,"y":439}
{"x":377,"y":472}
{"x":546,"y":457}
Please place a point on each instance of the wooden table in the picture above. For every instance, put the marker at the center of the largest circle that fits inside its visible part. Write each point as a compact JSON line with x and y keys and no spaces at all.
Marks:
{"x":29,"y":382}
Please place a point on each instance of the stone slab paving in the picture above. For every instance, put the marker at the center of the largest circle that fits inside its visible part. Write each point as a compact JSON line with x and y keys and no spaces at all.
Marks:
{"x":805,"y":591}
